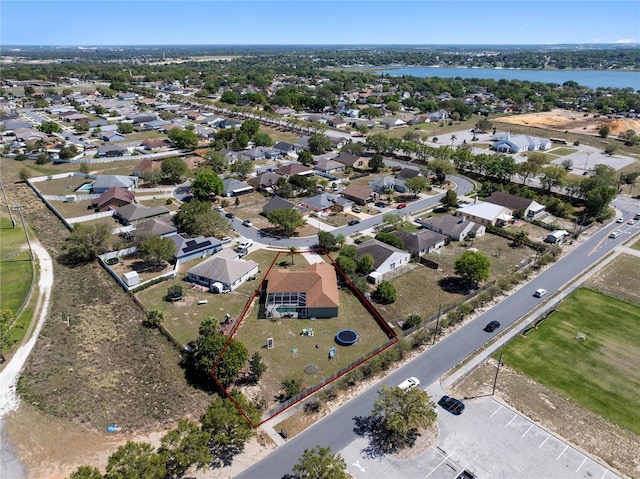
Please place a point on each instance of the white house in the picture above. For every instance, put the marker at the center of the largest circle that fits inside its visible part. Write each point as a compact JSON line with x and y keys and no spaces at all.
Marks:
{"x":485,"y":213}
{"x":386,"y":258}
{"x":508,"y":143}
{"x":222,"y":274}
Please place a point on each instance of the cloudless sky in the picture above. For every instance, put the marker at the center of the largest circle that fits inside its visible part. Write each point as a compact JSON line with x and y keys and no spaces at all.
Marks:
{"x":328,"y":22}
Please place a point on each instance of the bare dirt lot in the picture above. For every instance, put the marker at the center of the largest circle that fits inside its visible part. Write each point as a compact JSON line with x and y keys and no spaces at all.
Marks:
{"x":571,"y":121}
{"x":557,"y":413}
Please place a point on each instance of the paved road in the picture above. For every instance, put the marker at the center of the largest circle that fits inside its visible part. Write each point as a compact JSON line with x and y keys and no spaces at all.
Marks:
{"x":464,"y":187}
{"x":336,"y":430}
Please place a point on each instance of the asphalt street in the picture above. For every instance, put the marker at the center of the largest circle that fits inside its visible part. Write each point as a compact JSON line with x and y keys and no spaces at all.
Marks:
{"x":336,"y":430}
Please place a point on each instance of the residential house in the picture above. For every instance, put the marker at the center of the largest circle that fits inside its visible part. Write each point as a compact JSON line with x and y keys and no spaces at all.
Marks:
{"x":264,"y":180}
{"x":227,"y":123}
{"x":337,"y":141}
{"x":508,"y":143}
{"x":112,"y":136}
{"x":421,"y":242}
{"x":325,"y":165}
{"x":278,"y":203}
{"x":156,"y":144}
{"x":112,"y":198}
{"x":286,"y":149}
{"x":24,"y":134}
{"x":309,"y":293}
{"x":518,"y":206}
{"x":353,"y":161}
{"x":389,"y":123}
{"x":103,"y":182}
{"x":233,"y":187}
{"x":154,"y":227}
{"x":557,"y":237}
{"x":260,"y":153}
{"x":112,"y":150}
{"x":336,"y":122}
{"x":486,"y":213}
{"x":143,"y":118}
{"x":132,"y":213}
{"x":222,"y":274}
{"x":455,"y":227}
{"x":146,"y":166}
{"x":324,"y":203}
{"x":386,"y":258}
{"x":357,"y":193}
{"x":294,"y":169}
{"x":155,"y":124}
{"x":436,"y":116}
{"x":381,"y":185}
{"x":406,"y":173}
{"x":192,"y":248}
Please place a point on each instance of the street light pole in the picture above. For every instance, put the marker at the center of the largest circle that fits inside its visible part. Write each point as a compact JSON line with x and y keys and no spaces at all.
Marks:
{"x":18,"y":208}
{"x":495,"y":380}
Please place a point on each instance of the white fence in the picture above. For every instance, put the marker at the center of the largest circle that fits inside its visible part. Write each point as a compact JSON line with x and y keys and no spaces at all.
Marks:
{"x":94,"y":216}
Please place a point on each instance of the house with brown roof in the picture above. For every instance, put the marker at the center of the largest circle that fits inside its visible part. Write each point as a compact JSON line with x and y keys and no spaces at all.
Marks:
{"x":353,"y":161}
{"x":309,"y":293}
{"x":156,"y":144}
{"x":386,"y":258}
{"x":113,"y":198}
{"x":294,"y":169}
{"x":264,"y":180}
{"x":146,"y":166}
{"x":518,"y":206}
{"x":357,"y":193}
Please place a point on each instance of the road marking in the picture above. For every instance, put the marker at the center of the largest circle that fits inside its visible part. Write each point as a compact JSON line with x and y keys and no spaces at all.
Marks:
{"x":560,"y":455}
{"x":435,"y":468}
{"x":507,"y":424}
{"x":494,"y":412}
{"x":583,"y":461}
{"x":546,"y":439}
{"x":525,"y":433}
{"x":357,"y":464}
{"x":604,"y":473}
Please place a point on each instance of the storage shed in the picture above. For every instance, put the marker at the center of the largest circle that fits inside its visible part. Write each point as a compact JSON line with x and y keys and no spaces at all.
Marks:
{"x":131,"y":278}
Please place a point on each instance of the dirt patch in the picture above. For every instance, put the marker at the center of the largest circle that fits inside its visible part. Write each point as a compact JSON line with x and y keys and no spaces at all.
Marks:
{"x":558,"y":414}
{"x":571,"y":121}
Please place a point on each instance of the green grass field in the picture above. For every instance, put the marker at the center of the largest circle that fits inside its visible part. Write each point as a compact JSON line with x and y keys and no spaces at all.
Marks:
{"x":600,"y":373}
{"x":16,"y":268}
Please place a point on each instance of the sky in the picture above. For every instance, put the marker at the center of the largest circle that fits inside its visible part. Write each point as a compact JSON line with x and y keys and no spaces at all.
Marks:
{"x":327,"y":22}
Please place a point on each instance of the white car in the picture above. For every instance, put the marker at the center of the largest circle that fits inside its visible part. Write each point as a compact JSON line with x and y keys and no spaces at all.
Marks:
{"x":614,"y":234}
{"x":225,"y":239}
{"x":540,"y":293}
{"x":409,"y":383}
{"x":631,"y":222}
{"x":620,"y":220}
{"x":246,"y":223}
{"x":245,"y":245}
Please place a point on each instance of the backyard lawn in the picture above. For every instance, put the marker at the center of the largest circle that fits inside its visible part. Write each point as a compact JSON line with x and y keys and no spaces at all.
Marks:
{"x":16,"y":268}
{"x":600,"y":373}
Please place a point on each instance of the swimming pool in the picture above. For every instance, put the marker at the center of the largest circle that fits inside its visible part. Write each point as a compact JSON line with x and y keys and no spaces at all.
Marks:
{"x":85,"y":187}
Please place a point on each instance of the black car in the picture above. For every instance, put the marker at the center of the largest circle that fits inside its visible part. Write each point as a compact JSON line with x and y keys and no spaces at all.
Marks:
{"x":453,"y":405}
{"x":380,"y":204}
{"x":492,"y":326}
{"x":230,"y":215}
{"x":354,"y":222}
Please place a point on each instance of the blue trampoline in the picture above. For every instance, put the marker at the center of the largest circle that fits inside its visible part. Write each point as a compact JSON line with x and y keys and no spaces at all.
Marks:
{"x":346,"y":337}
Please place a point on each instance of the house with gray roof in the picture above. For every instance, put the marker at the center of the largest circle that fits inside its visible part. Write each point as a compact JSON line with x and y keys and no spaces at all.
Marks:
{"x":380,"y":185}
{"x":112,"y":150}
{"x":323,"y":203}
{"x":279,"y":203}
{"x":233,"y":187}
{"x":133,"y":213}
{"x":154,"y":227}
{"x":524,"y":207}
{"x":103,"y":182}
{"x":192,"y":248}
{"x":326,"y":165}
{"x":421,"y":242}
{"x":264,"y":180}
{"x":353,"y":161}
{"x":455,"y":227}
{"x":386,"y":258}
{"x":508,"y":143}
{"x":222,"y":274}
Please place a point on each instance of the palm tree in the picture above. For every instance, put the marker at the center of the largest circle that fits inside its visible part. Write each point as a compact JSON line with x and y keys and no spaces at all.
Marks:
{"x":453,"y":138}
{"x":292,"y":250}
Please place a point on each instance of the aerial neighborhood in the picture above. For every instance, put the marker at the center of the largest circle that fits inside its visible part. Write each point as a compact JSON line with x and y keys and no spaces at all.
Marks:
{"x":239,"y":251}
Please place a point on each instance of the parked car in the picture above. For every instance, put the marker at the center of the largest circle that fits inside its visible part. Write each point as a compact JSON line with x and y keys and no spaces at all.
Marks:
{"x":353,"y":222}
{"x":246,"y":223}
{"x":242,"y":252}
{"x":225,"y":239}
{"x":614,"y":234}
{"x":540,"y":293}
{"x":453,"y":405}
{"x":356,"y":209}
{"x":219,"y":208}
{"x":409,"y":383}
{"x":401,"y":205}
{"x":245,"y":244}
{"x":230,"y":215}
{"x":492,"y":326}
{"x":418,"y":220}
{"x":380,"y":204}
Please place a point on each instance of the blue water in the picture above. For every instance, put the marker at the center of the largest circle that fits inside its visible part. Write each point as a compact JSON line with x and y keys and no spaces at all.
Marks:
{"x":85,"y":187}
{"x":589,"y":78}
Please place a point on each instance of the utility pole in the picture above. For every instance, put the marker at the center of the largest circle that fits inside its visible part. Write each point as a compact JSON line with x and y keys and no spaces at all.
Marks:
{"x":435,"y":331}
{"x":495,"y":380}
{"x":4,"y":193}
{"x":18,"y":208}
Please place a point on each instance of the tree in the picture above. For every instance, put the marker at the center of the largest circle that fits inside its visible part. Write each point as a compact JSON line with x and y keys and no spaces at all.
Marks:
{"x":450,"y":199}
{"x":417,"y":184}
{"x":306,"y":158}
{"x":553,"y":176}
{"x":346,"y":264}
{"x":292,"y":250}
{"x":250,"y":127}
{"x":29,"y":90}
{"x":205,"y":184}
{"x":81,"y":127}
{"x":412,"y":320}
{"x":135,"y":460}
{"x":483,"y":125}
{"x":327,"y":240}
{"x":610,"y":149}
{"x":67,"y":152}
{"x":402,"y":413}
{"x":156,"y":251}
{"x":197,"y":218}
{"x":86,"y":472}
{"x":630,"y":137}
{"x":174,"y":169}
{"x":154,"y":318}
{"x":183,"y":139}
{"x":229,"y":97}
{"x":292,"y":386}
{"x":320,"y":463}
{"x":519,"y":239}
{"x":242,"y":168}
{"x":365,"y":264}
{"x":206,"y":349}
{"x":87,"y":241}
{"x":604,"y":131}
{"x":441,"y":168}
{"x":227,"y":428}
{"x":216,"y":161}
{"x":152,"y":177}
{"x":262,"y":139}
{"x":319,"y":143}
{"x":184,"y":447}
{"x":50,"y":127}
{"x":125,"y":128}
{"x":376,"y":163}
{"x":529,"y":168}
{"x":385,"y":293}
{"x":288,"y":220}
{"x":473,"y":267}
{"x":257,"y":367}
{"x":42,"y":159}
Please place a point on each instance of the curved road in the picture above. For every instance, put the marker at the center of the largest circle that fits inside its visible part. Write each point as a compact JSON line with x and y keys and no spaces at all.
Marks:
{"x":336,"y":430}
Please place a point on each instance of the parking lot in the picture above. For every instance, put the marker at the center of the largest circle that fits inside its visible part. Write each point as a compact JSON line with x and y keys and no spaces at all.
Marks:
{"x":488,"y":439}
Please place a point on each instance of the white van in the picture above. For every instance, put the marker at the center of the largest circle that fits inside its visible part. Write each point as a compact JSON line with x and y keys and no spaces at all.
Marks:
{"x":245,"y":244}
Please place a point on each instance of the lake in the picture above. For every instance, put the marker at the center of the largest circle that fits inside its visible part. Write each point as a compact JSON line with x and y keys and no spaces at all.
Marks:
{"x":589,"y":78}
